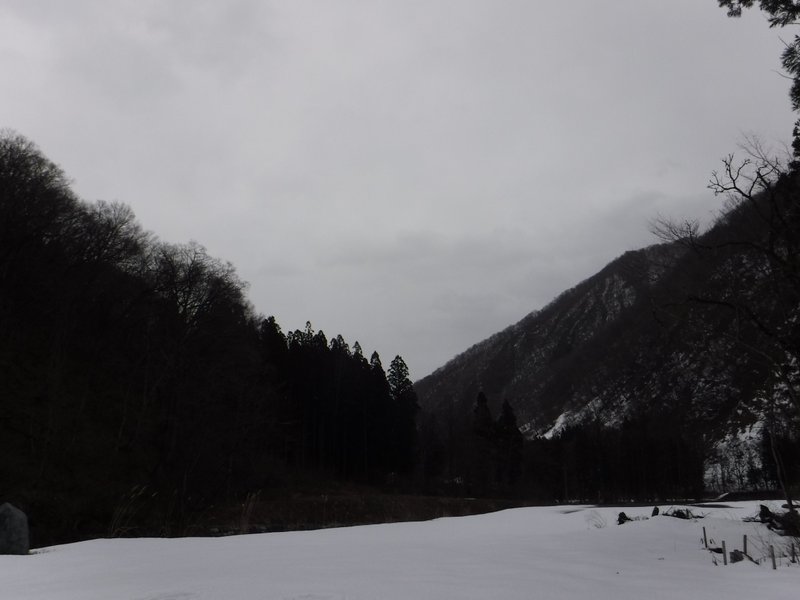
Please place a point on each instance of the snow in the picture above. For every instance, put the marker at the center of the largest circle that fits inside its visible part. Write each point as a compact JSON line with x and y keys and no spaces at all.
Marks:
{"x":560,"y":423}
{"x":562,"y":552}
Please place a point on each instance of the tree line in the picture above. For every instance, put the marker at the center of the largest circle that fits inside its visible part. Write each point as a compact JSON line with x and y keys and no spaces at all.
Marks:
{"x":647,"y":457}
{"x":128,"y":363}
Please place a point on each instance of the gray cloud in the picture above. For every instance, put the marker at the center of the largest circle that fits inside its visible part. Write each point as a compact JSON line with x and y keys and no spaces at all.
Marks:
{"x":415,"y":175}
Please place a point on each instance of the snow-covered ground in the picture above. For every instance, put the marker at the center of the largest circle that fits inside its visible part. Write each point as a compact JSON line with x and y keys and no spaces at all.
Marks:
{"x":564,"y":552}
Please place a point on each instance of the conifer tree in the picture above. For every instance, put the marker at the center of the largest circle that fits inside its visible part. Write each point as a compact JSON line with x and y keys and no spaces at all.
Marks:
{"x":509,"y":446}
{"x":398,"y":379}
{"x":405,"y":409}
{"x":482,"y":417}
{"x":482,"y":448}
{"x":780,"y":13}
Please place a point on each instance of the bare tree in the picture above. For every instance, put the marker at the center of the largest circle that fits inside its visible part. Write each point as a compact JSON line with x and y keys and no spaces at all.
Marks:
{"x":756,"y":241}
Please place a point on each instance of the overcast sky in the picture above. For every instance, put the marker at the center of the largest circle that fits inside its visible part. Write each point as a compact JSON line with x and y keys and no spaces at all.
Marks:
{"x":415,"y":175}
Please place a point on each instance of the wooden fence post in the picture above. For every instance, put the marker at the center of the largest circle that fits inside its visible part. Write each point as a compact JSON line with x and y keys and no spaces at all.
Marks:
{"x":705,"y":539}
{"x":772,"y":555}
{"x":744,"y":545}
{"x":724,"y":554}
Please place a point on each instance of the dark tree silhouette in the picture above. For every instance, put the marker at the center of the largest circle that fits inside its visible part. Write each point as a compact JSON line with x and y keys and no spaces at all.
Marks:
{"x":780,"y":13}
{"x":404,"y":413}
{"x":509,"y":447}
{"x":135,"y":372}
{"x":482,"y":450}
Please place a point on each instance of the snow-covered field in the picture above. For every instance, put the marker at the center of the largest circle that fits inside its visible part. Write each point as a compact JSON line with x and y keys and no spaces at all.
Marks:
{"x":564,"y":552}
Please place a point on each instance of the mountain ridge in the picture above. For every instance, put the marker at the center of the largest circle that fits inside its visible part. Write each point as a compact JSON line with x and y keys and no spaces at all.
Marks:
{"x":607,"y":349}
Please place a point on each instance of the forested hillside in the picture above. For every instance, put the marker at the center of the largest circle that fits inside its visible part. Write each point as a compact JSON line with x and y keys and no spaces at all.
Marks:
{"x":135,"y":368}
{"x":672,"y":361}
{"x":138,"y":387}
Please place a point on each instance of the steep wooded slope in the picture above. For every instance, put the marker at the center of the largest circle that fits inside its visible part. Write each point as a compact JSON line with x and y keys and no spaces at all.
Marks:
{"x":620,"y":343}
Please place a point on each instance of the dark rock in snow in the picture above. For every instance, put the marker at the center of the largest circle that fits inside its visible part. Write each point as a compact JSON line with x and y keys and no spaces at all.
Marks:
{"x":13,"y":530}
{"x":623,"y":518}
{"x":655,"y":512}
{"x":682,"y":513}
{"x":765,"y":514}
